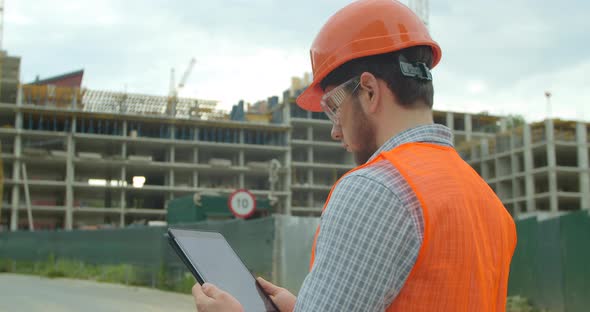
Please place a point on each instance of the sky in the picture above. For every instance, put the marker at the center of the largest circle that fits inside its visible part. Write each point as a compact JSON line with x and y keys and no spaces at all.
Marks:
{"x":498,"y":56}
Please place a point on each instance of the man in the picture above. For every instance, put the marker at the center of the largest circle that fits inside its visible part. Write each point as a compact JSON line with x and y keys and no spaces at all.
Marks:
{"x":413,"y":228}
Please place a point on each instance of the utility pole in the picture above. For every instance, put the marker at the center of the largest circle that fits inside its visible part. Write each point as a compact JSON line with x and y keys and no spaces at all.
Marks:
{"x":548,"y":96}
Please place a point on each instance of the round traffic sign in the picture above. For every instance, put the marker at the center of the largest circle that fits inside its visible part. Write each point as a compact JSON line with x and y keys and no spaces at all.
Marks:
{"x":242,"y":204}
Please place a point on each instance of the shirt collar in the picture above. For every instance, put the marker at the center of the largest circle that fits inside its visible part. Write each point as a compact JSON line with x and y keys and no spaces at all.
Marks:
{"x":433,"y":133}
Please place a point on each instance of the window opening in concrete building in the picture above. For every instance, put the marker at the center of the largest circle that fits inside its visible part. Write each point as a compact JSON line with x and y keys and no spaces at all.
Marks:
{"x":509,"y":208}
{"x":7,"y":145}
{"x":566,"y":156}
{"x":440,"y":118}
{"x":323,"y":135}
{"x":542,"y":203}
{"x":459,"y":122}
{"x":540,"y":156}
{"x":257,"y":183}
{"x":46,"y":122}
{"x":541,"y":182}
{"x":504,"y":164}
{"x":218,"y":158}
{"x":505,"y":190}
{"x":94,"y":149}
{"x":184,"y":155}
{"x":568,"y":181}
{"x":183,"y":178}
{"x":520,"y":167}
{"x":503,"y":143}
{"x":299,"y":155}
{"x":518,"y":138}
{"x":491,"y":169}
{"x":7,"y":120}
{"x":319,"y":116}
{"x":299,"y":133}
{"x":218,"y":180}
{"x":538,"y":133}
{"x":565,"y":131}
{"x":568,"y":203}
{"x":142,"y":199}
{"x":520,"y":188}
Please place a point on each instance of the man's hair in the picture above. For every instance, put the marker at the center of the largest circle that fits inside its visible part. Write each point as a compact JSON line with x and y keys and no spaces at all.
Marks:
{"x":386,"y":67}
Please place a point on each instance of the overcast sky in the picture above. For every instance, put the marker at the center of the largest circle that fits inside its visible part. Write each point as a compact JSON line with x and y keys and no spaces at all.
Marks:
{"x":498,"y":56}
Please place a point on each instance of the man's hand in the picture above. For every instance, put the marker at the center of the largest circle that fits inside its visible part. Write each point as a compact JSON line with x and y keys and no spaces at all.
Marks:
{"x":283,"y":299}
{"x":209,"y":298}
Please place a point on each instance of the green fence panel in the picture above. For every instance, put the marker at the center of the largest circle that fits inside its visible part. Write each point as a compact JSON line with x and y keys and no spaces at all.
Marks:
{"x":548,"y":267}
{"x":575,"y":239}
{"x":522,"y":271}
{"x":143,"y":246}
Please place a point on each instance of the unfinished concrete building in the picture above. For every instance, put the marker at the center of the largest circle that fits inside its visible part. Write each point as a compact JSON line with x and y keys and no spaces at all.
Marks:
{"x":91,"y":157}
{"x":537,"y":168}
{"x":96,"y":157}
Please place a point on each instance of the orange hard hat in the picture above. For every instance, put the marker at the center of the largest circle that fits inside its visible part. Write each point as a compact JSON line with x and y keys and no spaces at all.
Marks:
{"x":363,"y":28}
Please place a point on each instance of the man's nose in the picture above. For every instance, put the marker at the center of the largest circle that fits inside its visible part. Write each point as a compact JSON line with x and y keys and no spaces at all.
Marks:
{"x":336,"y":132}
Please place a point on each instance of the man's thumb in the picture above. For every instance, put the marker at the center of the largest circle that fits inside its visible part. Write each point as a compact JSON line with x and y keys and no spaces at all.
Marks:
{"x":268,"y":287}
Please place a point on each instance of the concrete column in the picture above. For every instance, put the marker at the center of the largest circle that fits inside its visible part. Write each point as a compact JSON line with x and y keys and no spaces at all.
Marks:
{"x":16,"y":178}
{"x":552,"y":165}
{"x":242,"y":163}
{"x":71,"y":146}
{"x":123,"y":197}
{"x":309,"y":133}
{"x":485,"y":169}
{"x":288,"y":175}
{"x":195,"y":172}
{"x":468,"y":127}
{"x":583,"y":164}
{"x":529,"y":181}
{"x":516,"y":191}
{"x":450,"y":120}
{"x":123,"y":187}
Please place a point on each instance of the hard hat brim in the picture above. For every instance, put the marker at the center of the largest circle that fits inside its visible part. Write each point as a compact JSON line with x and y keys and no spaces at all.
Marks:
{"x":310,"y":99}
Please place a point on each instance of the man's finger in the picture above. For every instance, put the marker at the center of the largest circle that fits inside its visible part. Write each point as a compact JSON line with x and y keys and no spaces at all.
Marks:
{"x":199,"y":295}
{"x":212,"y":291}
{"x":268,"y":287}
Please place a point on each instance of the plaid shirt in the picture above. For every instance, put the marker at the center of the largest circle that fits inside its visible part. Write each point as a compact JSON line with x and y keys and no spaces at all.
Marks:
{"x":371,"y":233}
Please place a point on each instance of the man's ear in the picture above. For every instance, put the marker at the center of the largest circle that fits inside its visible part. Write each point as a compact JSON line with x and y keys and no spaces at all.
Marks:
{"x":370,"y":85}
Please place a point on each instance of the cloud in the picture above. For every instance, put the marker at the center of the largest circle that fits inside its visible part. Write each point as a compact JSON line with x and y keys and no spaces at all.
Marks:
{"x":498,"y":56}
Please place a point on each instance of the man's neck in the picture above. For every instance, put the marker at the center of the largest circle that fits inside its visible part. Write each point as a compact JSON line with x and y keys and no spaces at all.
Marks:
{"x":410,"y":118}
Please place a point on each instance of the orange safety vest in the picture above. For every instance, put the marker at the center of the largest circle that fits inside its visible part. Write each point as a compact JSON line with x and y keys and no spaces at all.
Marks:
{"x":469,"y":237}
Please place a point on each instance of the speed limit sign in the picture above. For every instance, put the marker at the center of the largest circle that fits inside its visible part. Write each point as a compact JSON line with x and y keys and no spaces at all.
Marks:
{"x":242,"y":204}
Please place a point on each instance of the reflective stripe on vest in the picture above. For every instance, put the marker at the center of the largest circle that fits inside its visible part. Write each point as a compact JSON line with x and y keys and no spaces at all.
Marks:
{"x":469,"y":237}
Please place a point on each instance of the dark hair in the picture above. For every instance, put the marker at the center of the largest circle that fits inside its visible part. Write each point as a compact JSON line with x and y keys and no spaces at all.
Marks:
{"x":386,"y":67}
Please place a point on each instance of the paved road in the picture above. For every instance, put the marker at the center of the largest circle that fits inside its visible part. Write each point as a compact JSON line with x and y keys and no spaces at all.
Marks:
{"x":33,"y":293}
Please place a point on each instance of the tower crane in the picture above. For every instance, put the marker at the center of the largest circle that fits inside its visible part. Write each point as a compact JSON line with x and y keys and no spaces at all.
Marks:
{"x":173,"y":96}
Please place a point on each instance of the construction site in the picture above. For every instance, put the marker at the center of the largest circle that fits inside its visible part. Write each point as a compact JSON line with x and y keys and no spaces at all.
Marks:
{"x":539,"y":168}
{"x":79,"y":158}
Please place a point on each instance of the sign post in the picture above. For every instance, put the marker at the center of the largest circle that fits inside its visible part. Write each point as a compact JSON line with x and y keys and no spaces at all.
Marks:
{"x":242,"y":204}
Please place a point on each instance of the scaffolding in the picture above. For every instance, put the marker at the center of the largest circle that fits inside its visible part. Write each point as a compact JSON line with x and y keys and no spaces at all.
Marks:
{"x":98,"y":101}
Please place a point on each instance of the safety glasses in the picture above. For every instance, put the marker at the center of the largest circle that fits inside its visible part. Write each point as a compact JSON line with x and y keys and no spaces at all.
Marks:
{"x":332,"y":100}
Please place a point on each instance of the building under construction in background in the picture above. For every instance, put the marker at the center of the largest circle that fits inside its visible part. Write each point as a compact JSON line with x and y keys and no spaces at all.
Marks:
{"x":75,"y":157}
{"x":540,"y":168}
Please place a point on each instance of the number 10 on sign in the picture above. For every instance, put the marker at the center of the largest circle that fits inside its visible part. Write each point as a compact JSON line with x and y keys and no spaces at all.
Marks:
{"x":242,"y":204}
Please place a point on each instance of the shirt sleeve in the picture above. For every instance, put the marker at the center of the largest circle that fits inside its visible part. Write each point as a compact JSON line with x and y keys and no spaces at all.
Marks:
{"x":365,"y":251}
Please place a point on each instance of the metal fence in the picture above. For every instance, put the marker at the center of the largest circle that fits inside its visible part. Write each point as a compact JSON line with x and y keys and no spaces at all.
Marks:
{"x":550,"y":264}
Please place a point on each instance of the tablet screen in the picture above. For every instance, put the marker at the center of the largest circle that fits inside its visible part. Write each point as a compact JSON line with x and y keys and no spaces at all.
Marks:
{"x":217,"y":263}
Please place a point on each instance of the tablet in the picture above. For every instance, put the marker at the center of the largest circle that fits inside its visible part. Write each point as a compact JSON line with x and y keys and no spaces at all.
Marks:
{"x":211,"y":259}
